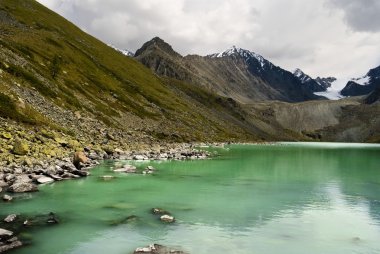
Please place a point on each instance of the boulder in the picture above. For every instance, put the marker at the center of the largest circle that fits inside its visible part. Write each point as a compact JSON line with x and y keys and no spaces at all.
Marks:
{"x":7,"y":198}
{"x":167,"y":218}
{"x":159,"y":211}
{"x":20,"y":187}
{"x":10,"y":244}
{"x":157,"y":249}
{"x":20,"y":147}
{"x":79,"y":157}
{"x":44,"y":179}
{"x":126,"y":169}
{"x":5,"y":234}
{"x":10,"y":218}
{"x":107,"y":177}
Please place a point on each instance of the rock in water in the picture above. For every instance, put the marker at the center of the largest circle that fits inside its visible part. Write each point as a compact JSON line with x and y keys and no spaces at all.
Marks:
{"x":157,"y":249}
{"x":20,"y":147}
{"x":79,"y":157}
{"x":20,"y":187}
{"x":45,"y":179}
{"x":10,"y":218}
{"x":7,"y":198}
{"x":159,"y":211}
{"x":5,"y":234}
{"x":167,"y":218}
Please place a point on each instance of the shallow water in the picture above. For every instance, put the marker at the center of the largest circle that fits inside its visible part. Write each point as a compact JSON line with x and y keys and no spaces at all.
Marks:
{"x":286,"y":198}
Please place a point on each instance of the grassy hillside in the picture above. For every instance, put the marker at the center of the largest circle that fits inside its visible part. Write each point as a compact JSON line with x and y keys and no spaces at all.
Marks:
{"x":54,"y":74}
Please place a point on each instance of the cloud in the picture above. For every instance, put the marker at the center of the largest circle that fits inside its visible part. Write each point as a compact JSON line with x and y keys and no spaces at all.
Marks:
{"x":322,"y":37}
{"x":360,"y":15}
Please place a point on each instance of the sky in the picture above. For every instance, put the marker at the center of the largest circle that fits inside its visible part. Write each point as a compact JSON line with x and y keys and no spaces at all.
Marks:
{"x":339,"y":38}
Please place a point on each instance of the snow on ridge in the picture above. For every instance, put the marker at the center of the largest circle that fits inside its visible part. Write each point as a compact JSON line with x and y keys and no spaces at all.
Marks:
{"x":301,"y":76}
{"x":125,"y":52}
{"x":242,"y":52}
{"x":362,"y":81}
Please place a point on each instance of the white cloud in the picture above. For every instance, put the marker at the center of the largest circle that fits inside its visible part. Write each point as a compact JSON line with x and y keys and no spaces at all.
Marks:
{"x":322,"y":37}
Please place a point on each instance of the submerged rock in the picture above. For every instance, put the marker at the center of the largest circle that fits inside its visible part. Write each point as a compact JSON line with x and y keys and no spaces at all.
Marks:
{"x":127,"y":169}
{"x":7,"y":198}
{"x":157,"y":249}
{"x":167,"y":218}
{"x":10,"y":218}
{"x":107,"y":177}
{"x":160,"y":211}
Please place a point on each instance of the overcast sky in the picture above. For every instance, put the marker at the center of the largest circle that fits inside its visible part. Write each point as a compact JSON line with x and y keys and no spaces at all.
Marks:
{"x":322,"y":37}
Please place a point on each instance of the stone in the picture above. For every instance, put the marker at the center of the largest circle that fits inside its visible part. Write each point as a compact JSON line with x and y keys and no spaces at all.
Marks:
{"x":159,"y":211}
{"x":167,"y":218}
{"x":20,"y":187}
{"x":7,"y":198}
{"x":10,"y":218}
{"x":61,"y":141}
{"x":140,"y":157}
{"x":6,"y":135}
{"x":79,"y":157}
{"x":157,"y":249}
{"x":44,"y":180}
{"x":5,"y":234}
{"x":107,"y":177}
{"x":3,"y":184}
{"x":20,"y":147}
{"x":9,"y":246}
{"x":126,"y":169}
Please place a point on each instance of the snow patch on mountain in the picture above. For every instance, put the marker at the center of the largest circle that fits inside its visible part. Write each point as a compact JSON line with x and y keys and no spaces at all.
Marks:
{"x":301,"y":76}
{"x":246,"y":54}
{"x":125,"y":52}
{"x":362,"y":81}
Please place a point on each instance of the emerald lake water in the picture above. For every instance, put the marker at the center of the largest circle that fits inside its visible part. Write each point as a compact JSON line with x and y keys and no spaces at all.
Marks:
{"x":287,"y":198}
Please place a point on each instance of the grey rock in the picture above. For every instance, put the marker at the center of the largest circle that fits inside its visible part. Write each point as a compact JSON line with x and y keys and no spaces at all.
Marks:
{"x":167,"y":218}
{"x":44,"y":180}
{"x":10,"y":218}
{"x":20,"y":187}
{"x":5,"y":234}
{"x":7,"y":198}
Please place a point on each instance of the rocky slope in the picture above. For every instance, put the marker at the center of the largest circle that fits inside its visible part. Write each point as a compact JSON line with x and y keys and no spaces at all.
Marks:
{"x":236,"y":73}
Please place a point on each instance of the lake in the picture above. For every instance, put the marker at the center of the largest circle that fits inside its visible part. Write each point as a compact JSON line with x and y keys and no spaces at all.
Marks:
{"x":286,"y":198}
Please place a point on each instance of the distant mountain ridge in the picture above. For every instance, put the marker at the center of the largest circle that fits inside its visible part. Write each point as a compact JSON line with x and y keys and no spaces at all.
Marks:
{"x":237,"y":73}
{"x":314,"y":85}
{"x":364,"y":85}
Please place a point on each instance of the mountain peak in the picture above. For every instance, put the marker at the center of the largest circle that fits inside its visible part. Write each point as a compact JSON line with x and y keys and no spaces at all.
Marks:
{"x":244,"y":53}
{"x":156,"y":43}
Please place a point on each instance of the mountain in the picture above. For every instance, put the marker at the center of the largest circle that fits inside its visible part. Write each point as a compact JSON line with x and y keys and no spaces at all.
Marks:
{"x":363,"y":85}
{"x":314,"y":85}
{"x":236,"y":73}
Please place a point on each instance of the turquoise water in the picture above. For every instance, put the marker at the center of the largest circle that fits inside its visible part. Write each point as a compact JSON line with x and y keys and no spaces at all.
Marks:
{"x":287,"y":198}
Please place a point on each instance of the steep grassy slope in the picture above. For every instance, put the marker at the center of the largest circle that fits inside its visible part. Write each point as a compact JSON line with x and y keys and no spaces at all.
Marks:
{"x":54,"y":74}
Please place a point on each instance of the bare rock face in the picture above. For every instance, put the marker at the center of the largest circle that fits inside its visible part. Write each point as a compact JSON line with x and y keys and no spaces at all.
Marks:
{"x":79,"y":157}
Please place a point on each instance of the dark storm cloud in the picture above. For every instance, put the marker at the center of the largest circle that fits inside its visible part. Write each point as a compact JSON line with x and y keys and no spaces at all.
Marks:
{"x":360,"y":15}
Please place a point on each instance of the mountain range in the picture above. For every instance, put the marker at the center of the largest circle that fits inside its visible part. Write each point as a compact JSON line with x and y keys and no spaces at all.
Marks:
{"x":56,"y":77}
